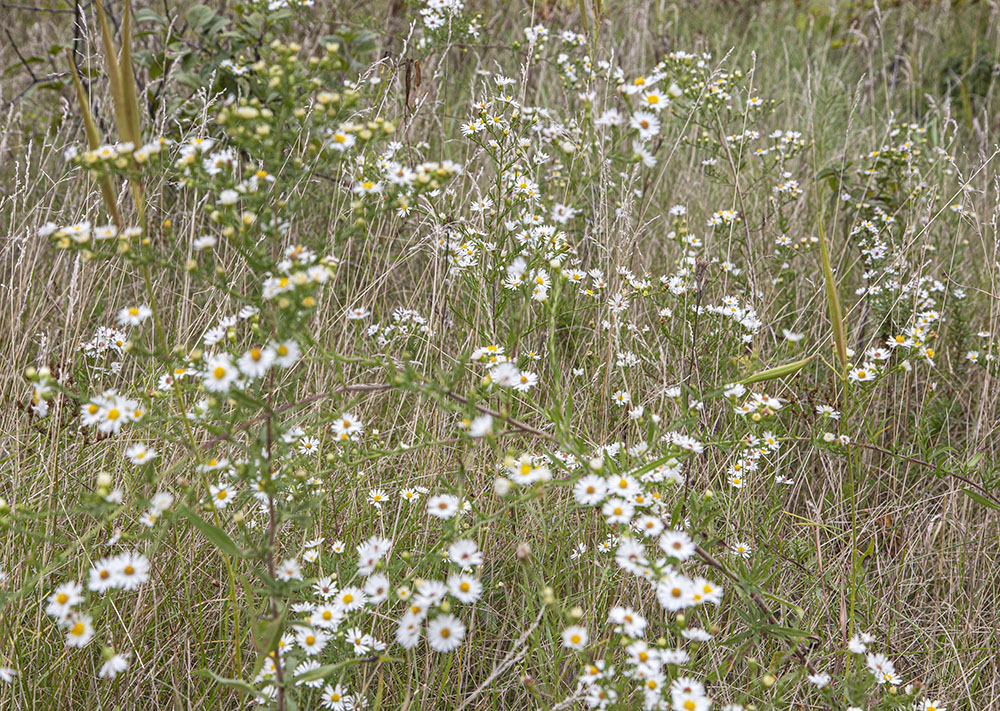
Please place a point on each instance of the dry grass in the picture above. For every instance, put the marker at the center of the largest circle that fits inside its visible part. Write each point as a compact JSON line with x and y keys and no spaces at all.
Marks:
{"x":928,"y":580}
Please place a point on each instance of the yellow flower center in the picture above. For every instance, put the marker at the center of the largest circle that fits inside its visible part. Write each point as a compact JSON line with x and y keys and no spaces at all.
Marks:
{"x":446,"y":633}
{"x":129,"y":570}
{"x":219,"y":373}
{"x":62,"y":598}
{"x":77,"y":630}
{"x":113,"y":414}
{"x":310,"y":640}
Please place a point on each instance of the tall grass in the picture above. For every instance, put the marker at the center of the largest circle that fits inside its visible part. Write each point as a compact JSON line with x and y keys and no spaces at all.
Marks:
{"x":725,"y":360}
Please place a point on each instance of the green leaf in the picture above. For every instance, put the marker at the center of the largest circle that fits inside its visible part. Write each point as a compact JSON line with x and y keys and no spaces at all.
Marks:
{"x":777,"y":372}
{"x":219,"y":538}
{"x":328,"y":669}
{"x":199,"y":16}
{"x":980,"y":499}
{"x":147,"y":15}
{"x":225,"y":681}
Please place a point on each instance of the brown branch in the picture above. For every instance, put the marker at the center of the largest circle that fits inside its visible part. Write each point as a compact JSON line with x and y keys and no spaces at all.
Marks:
{"x":372,"y":387}
{"x":517,"y":424}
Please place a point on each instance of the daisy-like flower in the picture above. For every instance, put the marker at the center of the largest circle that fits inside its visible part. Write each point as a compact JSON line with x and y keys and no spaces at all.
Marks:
{"x":646,"y":123}
{"x":624,"y":486}
{"x":325,"y":587}
{"x":134,"y":315}
{"x":131,"y":571}
{"x":618,"y":511}
{"x":220,"y":373}
{"x":139,"y":454}
{"x":341,"y":141}
{"x":327,"y":616}
{"x":445,"y":633}
{"x":336,"y":698}
{"x":465,"y":553}
{"x":675,"y":592}
{"x":677,"y":544}
{"x":256,"y":362}
{"x":687,"y":694}
{"x":289,"y":570}
{"x":743,"y":550}
{"x":862,"y":373}
{"x":408,"y":631}
{"x":627,"y":620}
{"x":858,"y":644}
{"x":525,"y":381}
{"x":63,"y":599}
{"x":655,"y":100}
{"x":79,"y":631}
{"x":350,"y":599}
{"x":377,"y":589}
{"x":347,"y":427}
{"x":819,"y":680}
{"x":303,"y":668}
{"x":409,"y":495}
{"x":464,"y":588}
{"x":443,"y":506}
{"x":308,"y":445}
{"x":286,"y":353}
{"x":311,"y":641}
{"x":575,"y":637}
{"x":113,"y":666}
{"x":103,"y":575}
{"x":649,"y":526}
{"x":222,"y":493}
{"x":882,"y":669}
{"x":481,"y":426}
{"x":827,"y":411}
{"x":590,"y":490}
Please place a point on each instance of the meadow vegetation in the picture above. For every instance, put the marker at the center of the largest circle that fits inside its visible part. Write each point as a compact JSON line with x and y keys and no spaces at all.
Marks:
{"x":430,"y":354}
